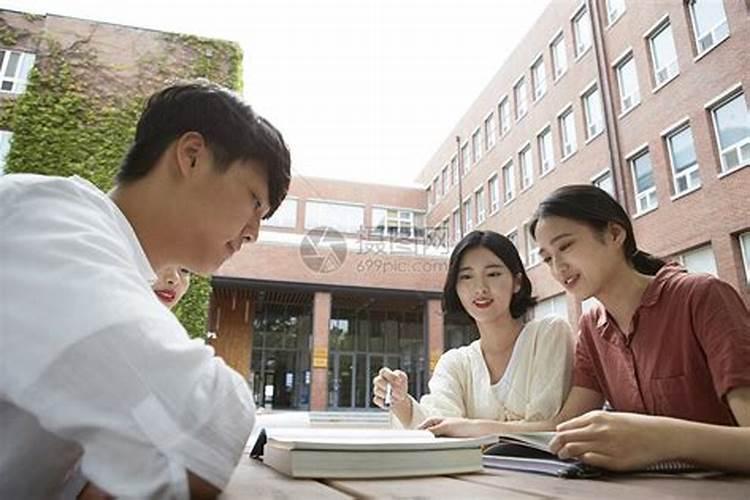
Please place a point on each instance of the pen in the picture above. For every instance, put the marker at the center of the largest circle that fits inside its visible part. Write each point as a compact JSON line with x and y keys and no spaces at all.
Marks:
{"x":388,"y":392}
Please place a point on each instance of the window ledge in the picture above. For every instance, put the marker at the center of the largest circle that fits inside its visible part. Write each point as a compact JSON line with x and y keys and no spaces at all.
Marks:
{"x":703,"y":54}
{"x":645,"y":212}
{"x":571,"y":155}
{"x":521,"y":117}
{"x":508,"y":202}
{"x":665,"y":83}
{"x":590,"y":139}
{"x":559,"y":77}
{"x":735,"y":169}
{"x":583,"y":54}
{"x":626,"y":112}
{"x":523,"y":190}
{"x":609,"y":26}
{"x":537,"y":99}
{"x":493,"y":212}
{"x":685,"y":193}
{"x":545,"y":174}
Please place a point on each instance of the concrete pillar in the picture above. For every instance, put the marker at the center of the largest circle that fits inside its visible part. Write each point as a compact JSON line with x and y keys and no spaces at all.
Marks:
{"x":319,"y":382}
{"x":435,"y":331}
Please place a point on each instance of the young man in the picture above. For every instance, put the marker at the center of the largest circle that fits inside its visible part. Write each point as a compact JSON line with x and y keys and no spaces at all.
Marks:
{"x":92,"y":365}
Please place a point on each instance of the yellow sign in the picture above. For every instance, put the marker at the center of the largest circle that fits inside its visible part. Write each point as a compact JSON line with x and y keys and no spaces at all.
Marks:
{"x":320,"y":357}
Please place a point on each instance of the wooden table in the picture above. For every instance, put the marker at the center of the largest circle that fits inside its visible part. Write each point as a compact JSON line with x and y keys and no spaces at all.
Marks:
{"x":254,"y":480}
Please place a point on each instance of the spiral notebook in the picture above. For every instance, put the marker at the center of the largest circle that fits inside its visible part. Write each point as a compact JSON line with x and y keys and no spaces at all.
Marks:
{"x":530,"y":452}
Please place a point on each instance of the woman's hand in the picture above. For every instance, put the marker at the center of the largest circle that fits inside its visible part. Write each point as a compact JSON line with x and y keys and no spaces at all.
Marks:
{"x":454,"y":427}
{"x":399,"y":389}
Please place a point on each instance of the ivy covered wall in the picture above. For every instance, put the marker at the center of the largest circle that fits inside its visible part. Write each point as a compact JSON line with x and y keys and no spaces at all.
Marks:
{"x":79,"y":111}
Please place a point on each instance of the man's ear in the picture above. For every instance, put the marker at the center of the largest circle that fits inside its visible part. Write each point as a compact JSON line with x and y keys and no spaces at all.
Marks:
{"x":190,"y":150}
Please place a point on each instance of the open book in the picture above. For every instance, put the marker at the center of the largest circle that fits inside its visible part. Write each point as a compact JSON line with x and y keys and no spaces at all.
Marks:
{"x":530,"y":452}
{"x":359,"y":453}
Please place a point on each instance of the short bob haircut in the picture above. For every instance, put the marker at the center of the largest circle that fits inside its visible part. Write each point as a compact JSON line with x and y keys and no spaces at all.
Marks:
{"x":507,"y":253}
{"x":231,"y":128}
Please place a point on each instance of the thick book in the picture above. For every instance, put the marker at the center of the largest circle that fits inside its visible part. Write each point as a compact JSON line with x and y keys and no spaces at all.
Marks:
{"x":530,"y":452}
{"x":375,"y":453}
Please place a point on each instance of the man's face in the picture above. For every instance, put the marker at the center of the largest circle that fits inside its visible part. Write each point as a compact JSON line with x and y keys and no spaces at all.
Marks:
{"x":223,"y":211}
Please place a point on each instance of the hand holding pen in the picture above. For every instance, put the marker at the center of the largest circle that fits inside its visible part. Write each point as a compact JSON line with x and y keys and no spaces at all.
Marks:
{"x":389,"y":388}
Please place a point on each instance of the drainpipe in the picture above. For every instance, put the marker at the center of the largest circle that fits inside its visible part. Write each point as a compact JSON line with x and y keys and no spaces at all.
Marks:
{"x":460,"y":186}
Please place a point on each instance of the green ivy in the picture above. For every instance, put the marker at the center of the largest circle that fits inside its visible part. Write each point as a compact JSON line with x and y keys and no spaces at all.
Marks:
{"x":64,"y":125}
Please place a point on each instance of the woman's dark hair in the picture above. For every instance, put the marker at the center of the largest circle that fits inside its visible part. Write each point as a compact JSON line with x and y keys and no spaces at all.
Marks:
{"x":506,"y":252}
{"x":595,"y":207}
{"x":231,"y":128}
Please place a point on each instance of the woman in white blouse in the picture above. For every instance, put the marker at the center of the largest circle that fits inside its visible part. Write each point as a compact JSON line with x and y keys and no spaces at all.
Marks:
{"x":516,"y":370}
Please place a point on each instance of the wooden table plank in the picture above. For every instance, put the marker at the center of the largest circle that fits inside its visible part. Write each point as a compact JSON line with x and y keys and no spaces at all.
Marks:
{"x":618,"y":487}
{"x":427,"y":487}
{"x":254,"y":480}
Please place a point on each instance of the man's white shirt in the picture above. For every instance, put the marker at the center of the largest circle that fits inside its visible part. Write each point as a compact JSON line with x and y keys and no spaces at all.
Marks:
{"x":92,"y":365}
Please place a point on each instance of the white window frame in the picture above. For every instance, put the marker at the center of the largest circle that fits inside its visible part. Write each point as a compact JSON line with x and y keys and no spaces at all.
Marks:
{"x":504,"y":115}
{"x":669,"y":70}
{"x":444,"y":181}
{"x":494,"y":182}
{"x":468,"y":215}
{"x":558,"y":69}
{"x":526,"y":166}
{"x":454,"y":170}
{"x":490,"y":132}
{"x":271,"y":223}
{"x":430,"y":197}
{"x":593,"y":129}
{"x":522,"y":106}
{"x":597,"y":179}
{"x":481,"y":205}
{"x":633,"y":98}
{"x":465,"y":158}
{"x":546,"y":156}
{"x":568,"y":145}
{"x":690,"y":175}
{"x":456,"y":224}
{"x":718,"y":33}
{"x":20,"y":78}
{"x":744,"y":239}
{"x":509,"y":188}
{"x":613,"y":14}
{"x":532,"y":249}
{"x":743,"y":159}
{"x":645,"y":201}
{"x":539,"y":84}
{"x":476,"y":145}
{"x":6,"y":136}
{"x":581,"y":49}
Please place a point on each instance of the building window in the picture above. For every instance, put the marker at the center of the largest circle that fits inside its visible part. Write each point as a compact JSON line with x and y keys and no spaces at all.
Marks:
{"x":663,"y":55}
{"x":519,"y":92}
{"x":15,"y":68}
{"x":476,"y":145}
{"x":456,"y":226}
{"x":559,"y":59}
{"x":538,"y":78}
{"x":479,"y":199}
{"x":466,"y":158}
{"x":732,"y":126}
{"x":627,"y":81}
{"x":615,"y":8}
{"x":526,"y":166}
{"x":285,"y":215}
{"x":745,"y":248}
{"x":508,"y":182}
{"x":454,"y":170}
{"x":592,"y":105}
{"x":397,"y":223}
{"x":582,"y":31}
{"x":494,"y":194}
{"x":444,"y":180}
{"x":339,"y":216}
{"x":504,"y":112}
{"x":513,"y":237}
{"x":532,"y":249}
{"x":604,"y":181}
{"x":643,"y":181}
{"x":709,"y":23}
{"x":490,"y":132}
{"x":468,"y":216}
{"x":436,"y":188}
{"x":5,"y":137}
{"x":546,"y":158}
{"x":699,"y":260}
{"x":430,"y":197}
{"x":685,"y":174}
{"x":553,"y":306}
{"x":568,"y":132}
